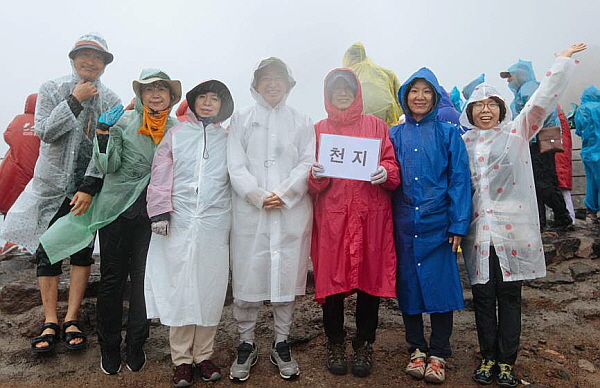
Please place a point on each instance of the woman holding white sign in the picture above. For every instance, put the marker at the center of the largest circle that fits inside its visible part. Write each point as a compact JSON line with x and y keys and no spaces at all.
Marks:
{"x":352,"y":241}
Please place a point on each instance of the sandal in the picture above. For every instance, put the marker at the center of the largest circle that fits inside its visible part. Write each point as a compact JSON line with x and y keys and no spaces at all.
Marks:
{"x":71,"y":335}
{"x":50,"y":338}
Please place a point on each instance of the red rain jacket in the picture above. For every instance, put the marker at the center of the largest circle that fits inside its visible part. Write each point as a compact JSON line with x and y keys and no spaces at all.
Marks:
{"x":17,"y":166}
{"x":562,"y":160}
{"x":353,"y":231}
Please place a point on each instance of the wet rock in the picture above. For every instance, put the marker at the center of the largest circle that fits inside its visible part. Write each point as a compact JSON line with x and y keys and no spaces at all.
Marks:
{"x":586,"y":366}
{"x":11,"y":270}
{"x":580,"y":347}
{"x":586,"y":246}
{"x":581,"y":271}
{"x":552,"y":279}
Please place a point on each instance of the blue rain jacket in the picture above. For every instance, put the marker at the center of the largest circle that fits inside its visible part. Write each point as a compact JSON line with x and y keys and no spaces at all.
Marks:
{"x":587,"y":124}
{"x":456,"y":100}
{"x":447,"y":112}
{"x":468,"y":89}
{"x":523,"y":85}
{"x":433,"y":201}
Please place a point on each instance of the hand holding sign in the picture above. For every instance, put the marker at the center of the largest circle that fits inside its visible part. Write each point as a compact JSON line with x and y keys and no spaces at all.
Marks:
{"x":349,"y":157}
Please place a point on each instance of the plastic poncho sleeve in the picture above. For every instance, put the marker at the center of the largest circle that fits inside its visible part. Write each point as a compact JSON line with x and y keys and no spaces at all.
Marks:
{"x":543,"y":101}
{"x":109,"y":162}
{"x":459,"y":186}
{"x":52,"y":118}
{"x":242,"y":180}
{"x":294,"y":187}
{"x":161,"y":181}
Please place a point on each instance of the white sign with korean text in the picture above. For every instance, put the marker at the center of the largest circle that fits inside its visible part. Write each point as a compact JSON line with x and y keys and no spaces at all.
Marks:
{"x":349,"y":157}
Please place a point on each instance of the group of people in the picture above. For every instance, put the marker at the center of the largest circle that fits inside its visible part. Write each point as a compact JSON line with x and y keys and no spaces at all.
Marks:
{"x":177,"y":205}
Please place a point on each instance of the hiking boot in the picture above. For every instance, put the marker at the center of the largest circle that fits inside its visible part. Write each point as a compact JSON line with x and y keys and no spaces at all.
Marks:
{"x":362,"y":362}
{"x":110,"y":362}
{"x":136,"y":359}
{"x":416,"y":366}
{"x":484,"y":374}
{"x":209,"y":371}
{"x":562,"y":224}
{"x":281,"y":355}
{"x":183,"y":376}
{"x":507,"y":377}
{"x":336,"y":359}
{"x":435,"y":372}
{"x":247,"y":356}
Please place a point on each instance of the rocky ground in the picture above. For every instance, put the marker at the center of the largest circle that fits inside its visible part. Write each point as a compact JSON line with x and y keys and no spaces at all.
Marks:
{"x":560,"y":344}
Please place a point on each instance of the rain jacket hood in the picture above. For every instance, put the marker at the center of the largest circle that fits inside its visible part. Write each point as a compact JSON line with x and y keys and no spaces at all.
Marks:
{"x":428,"y":76}
{"x":271,"y":61}
{"x":468,"y":89}
{"x":220,"y":90}
{"x":456,"y":99}
{"x":354,"y":111}
{"x":590,"y":94}
{"x":379,"y":85}
{"x":30,"y":103}
{"x":483,"y":92}
{"x":587,"y":125}
{"x":521,"y":72}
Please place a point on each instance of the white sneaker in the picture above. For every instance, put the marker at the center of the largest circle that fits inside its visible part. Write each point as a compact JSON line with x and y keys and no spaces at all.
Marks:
{"x":281,"y":355}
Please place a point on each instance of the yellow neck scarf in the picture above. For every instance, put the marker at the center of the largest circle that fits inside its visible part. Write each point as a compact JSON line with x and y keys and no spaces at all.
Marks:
{"x":153,"y":124}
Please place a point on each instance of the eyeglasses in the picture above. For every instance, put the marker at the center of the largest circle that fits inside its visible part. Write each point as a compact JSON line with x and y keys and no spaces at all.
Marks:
{"x":491,"y":105}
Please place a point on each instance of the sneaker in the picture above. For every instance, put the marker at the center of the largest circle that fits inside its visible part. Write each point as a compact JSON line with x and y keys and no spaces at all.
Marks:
{"x":362,"y":362}
{"x":183,"y":376}
{"x":484,"y":375}
{"x":209,"y":371}
{"x":336,"y":359}
{"x":435,"y":372}
{"x":247,"y":356}
{"x":507,"y":377}
{"x":281,"y":355}
{"x":136,"y":359}
{"x":416,"y":366}
{"x":110,"y":363}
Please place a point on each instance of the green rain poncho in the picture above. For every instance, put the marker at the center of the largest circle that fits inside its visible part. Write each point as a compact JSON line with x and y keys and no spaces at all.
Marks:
{"x":126,"y":168}
{"x":379,"y":86}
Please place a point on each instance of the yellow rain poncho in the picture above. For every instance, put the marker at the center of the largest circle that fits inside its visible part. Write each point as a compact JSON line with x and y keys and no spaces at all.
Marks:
{"x":379,"y":86}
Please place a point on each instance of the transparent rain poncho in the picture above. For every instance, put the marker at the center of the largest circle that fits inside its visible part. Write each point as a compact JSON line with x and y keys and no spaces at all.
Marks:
{"x":187,"y":271}
{"x":65,"y":153}
{"x":379,"y":85}
{"x":270,"y":149}
{"x":505,"y":212}
{"x":126,"y":168}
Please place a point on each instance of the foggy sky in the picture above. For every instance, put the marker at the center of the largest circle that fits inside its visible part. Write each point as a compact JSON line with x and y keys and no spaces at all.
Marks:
{"x":198,"y":40}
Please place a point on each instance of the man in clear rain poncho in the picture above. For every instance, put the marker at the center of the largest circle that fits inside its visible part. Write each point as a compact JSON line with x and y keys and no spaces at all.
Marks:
{"x":65,"y":120}
{"x":379,"y":85}
{"x":271,"y":148}
{"x":521,"y":80}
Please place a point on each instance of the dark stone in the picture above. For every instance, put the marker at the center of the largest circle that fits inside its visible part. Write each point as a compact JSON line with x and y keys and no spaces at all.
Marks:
{"x":551,"y":280}
{"x":580,"y":347}
{"x":582,"y":271}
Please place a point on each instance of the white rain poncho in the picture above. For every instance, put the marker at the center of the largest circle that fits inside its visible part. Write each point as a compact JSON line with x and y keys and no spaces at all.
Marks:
{"x":187,"y":271}
{"x":65,"y":153}
{"x":270,"y":150}
{"x":505,"y":212}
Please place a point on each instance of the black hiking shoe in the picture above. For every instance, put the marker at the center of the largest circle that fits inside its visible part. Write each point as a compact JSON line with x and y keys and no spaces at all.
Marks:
{"x":362,"y":362}
{"x":336,"y":359}
{"x":136,"y":359}
{"x":484,"y":374}
{"x":507,"y":377}
{"x":110,"y":362}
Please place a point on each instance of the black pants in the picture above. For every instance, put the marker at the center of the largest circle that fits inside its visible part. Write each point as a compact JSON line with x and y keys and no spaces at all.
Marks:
{"x":367,"y":317}
{"x":546,"y":187}
{"x":498,"y":335}
{"x":123,"y":249}
{"x":441,"y":330}
{"x":82,"y":258}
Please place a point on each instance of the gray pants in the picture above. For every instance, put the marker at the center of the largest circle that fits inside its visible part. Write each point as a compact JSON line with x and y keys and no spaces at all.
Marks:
{"x":246,"y":314}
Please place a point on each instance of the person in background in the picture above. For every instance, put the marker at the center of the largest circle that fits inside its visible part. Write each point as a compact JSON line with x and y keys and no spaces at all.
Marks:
{"x":447,"y":112}
{"x":456,"y":100}
{"x":521,"y":80}
{"x":189,"y":204}
{"x":270,"y":149}
{"x":17,"y":166}
{"x":431,"y":215}
{"x":123,"y":151}
{"x":67,"y":110}
{"x":504,"y":245}
{"x":563,"y":162}
{"x":181,"y":111}
{"x":470,"y":87}
{"x":353,"y":232}
{"x":587,"y":123}
{"x":379,"y":85}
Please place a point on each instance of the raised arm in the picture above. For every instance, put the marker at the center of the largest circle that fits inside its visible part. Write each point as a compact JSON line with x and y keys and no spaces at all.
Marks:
{"x":529,"y":122}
